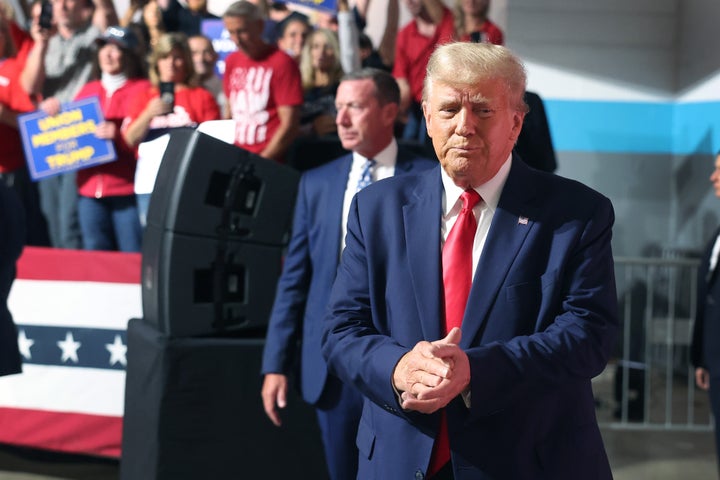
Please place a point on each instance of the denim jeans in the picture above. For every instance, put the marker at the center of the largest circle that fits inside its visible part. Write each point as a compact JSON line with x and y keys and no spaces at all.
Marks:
{"x":58,"y":201}
{"x":110,"y":223}
{"x":143,"y":201}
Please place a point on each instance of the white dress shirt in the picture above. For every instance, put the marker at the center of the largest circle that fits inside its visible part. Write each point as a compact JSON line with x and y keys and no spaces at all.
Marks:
{"x":714,"y":256}
{"x":484,"y":211}
{"x":384,"y":168}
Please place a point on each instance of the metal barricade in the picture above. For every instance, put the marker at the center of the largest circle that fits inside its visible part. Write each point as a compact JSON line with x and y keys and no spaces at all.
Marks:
{"x":649,"y":382}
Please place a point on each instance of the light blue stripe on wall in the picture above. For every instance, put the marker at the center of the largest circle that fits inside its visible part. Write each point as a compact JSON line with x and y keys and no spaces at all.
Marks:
{"x":634,"y":127}
{"x":696,"y":128}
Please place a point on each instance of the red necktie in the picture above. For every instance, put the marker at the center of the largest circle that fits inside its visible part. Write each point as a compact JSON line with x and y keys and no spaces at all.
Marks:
{"x":457,"y":280}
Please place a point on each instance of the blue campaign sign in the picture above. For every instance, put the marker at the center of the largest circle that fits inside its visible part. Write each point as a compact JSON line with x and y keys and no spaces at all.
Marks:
{"x":327,"y":5}
{"x":66,"y":141}
{"x":223,"y":45}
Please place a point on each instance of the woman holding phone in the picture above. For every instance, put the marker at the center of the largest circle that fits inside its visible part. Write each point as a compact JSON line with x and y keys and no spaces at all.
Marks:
{"x":174,"y":100}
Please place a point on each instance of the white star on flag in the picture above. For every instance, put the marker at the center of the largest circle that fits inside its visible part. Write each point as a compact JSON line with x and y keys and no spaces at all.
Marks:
{"x":117,"y":351}
{"x":523,"y":220}
{"x":69,"y":348}
{"x":24,"y":345}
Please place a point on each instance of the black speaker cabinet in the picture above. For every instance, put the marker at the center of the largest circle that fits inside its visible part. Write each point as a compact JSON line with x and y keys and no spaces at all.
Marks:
{"x":193,"y":412}
{"x":218,"y":221}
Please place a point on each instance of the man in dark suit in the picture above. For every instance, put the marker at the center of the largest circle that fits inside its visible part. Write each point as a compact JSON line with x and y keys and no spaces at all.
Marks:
{"x":534,"y":145}
{"x":704,"y":351}
{"x":12,"y":240}
{"x":367,"y":104}
{"x":507,"y":395}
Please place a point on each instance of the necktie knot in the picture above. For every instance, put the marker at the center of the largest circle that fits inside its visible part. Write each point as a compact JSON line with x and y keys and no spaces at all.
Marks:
{"x":366,"y":175}
{"x":469,"y":198}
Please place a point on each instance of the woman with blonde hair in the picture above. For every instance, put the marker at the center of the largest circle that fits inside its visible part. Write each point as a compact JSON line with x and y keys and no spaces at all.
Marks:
{"x":321,"y":72}
{"x":183,"y":103}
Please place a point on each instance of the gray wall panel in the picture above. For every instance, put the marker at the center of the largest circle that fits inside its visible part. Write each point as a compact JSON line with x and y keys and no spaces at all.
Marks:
{"x":631,"y":42}
{"x":697,"y":54}
{"x":637,"y":185}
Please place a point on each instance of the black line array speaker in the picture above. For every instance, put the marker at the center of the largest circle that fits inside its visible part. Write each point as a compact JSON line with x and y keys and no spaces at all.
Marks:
{"x":217,"y":225}
{"x":193,"y":412}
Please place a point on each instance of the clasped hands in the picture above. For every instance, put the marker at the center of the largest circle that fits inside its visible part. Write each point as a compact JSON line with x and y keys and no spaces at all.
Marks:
{"x":430,"y":375}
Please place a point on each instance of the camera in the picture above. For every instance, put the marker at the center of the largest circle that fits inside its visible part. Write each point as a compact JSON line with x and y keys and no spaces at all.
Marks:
{"x":46,"y":15}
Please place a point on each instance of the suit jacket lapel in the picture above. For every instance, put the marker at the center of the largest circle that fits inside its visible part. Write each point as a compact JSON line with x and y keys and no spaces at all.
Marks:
{"x":332,"y":203}
{"x":513,"y":220}
{"x":422,"y":238}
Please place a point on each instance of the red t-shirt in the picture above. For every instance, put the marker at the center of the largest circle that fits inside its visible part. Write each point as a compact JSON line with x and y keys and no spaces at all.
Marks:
{"x":114,"y":178}
{"x":22,"y":40}
{"x":255,"y":89}
{"x":192,"y":107}
{"x":413,"y":50}
{"x":13,"y":96}
{"x":491,"y":33}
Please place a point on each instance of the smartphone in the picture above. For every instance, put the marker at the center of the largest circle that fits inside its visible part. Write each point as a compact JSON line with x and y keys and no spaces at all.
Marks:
{"x":46,"y":15}
{"x":167,"y":93}
{"x":477,"y":37}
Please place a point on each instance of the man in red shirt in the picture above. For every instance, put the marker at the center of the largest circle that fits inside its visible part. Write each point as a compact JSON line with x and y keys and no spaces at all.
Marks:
{"x":432,"y":25}
{"x":262,"y":85}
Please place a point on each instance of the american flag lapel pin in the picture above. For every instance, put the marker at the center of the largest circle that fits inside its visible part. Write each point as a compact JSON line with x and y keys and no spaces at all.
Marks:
{"x":523,"y":220}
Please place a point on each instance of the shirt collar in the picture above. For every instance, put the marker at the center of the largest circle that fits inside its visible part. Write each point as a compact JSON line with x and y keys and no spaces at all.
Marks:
{"x":385,"y":158}
{"x":489,"y":191}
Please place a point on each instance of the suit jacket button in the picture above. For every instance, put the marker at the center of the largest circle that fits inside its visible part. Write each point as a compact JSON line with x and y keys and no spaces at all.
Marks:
{"x":419,"y":475}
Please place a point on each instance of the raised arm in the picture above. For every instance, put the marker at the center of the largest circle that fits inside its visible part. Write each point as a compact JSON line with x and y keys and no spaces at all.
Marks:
{"x":348,"y":38}
{"x":386,"y":49}
{"x":127,"y":17}
{"x":434,"y":9}
{"x":105,"y":14}
{"x":32,"y":76}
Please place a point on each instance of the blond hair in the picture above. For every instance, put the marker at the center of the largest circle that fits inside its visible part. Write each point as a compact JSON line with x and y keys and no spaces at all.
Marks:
{"x":165,"y":45}
{"x":466,"y":64}
{"x":307,"y":70}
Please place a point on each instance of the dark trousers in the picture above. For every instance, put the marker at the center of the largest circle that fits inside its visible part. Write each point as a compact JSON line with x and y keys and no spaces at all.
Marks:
{"x":338,"y":413}
{"x":715,"y":406}
{"x":35,"y":225}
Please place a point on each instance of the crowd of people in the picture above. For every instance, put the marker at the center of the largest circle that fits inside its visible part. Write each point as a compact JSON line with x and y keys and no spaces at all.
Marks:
{"x":279,"y":88}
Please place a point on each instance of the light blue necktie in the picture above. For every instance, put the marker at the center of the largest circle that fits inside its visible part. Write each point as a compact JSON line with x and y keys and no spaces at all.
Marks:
{"x":366,"y":175}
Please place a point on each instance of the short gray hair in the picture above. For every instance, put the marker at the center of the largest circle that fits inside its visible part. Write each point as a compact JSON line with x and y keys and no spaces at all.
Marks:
{"x":244,"y":9}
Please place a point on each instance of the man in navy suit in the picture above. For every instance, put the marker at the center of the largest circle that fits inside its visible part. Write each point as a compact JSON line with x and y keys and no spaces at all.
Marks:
{"x":367,"y":105}
{"x":512,"y":385}
{"x":12,"y":219}
{"x":704,"y":351}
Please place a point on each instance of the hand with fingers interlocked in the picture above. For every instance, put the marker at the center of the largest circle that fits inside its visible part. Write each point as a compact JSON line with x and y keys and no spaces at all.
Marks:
{"x":430,"y":375}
